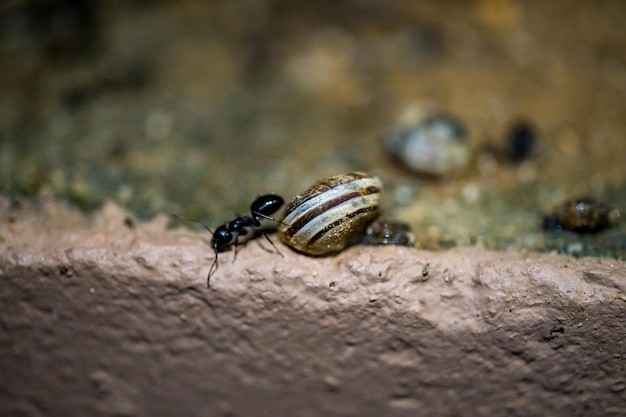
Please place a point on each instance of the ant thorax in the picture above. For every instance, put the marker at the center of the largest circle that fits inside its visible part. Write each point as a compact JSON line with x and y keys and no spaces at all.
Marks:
{"x":234,"y":232}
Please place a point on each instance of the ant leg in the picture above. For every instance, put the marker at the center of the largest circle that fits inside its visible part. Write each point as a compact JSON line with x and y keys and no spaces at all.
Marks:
{"x":215,"y":265}
{"x":272,"y":243}
{"x":236,"y":245}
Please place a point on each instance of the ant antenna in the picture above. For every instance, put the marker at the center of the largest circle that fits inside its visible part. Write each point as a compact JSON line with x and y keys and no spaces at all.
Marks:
{"x":215,"y":265}
{"x":215,"y":262}
{"x":256,"y":213}
{"x":188,"y":219}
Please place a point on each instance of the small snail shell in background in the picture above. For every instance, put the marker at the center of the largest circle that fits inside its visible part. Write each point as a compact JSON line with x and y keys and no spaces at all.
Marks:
{"x":383,"y":232}
{"x":332,"y":214}
{"x":433,"y":144}
{"x":581,"y":215}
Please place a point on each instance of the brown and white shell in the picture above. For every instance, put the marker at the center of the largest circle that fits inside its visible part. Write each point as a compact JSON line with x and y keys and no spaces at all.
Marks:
{"x":332,"y":214}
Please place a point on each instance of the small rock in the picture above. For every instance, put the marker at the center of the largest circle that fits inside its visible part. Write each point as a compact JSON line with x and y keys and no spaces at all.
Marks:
{"x":433,"y":144}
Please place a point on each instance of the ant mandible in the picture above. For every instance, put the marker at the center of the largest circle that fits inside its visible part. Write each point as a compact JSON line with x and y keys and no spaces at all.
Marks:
{"x":242,"y":228}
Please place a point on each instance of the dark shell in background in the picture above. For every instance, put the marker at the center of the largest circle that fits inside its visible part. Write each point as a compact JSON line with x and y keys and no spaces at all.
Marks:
{"x":583,"y":215}
{"x":388,"y":232}
{"x":521,"y":141}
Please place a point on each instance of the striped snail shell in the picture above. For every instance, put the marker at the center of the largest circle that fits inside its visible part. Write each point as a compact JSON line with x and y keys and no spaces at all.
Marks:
{"x":332,"y":214}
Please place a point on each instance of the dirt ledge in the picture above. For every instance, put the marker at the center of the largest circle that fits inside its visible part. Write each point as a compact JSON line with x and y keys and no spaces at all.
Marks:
{"x":107,"y":317}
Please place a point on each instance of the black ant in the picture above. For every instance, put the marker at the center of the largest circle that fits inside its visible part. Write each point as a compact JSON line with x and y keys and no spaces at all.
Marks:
{"x":243,"y":228}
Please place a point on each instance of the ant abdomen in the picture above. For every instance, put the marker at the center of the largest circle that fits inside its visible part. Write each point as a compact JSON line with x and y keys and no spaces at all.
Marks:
{"x":264,"y":206}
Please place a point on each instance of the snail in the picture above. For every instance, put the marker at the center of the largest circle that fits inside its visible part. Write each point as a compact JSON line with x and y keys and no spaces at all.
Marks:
{"x":581,"y":215}
{"x":332,"y":214}
{"x":433,"y":144}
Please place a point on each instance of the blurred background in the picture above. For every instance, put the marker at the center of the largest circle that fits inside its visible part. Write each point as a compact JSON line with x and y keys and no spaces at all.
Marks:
{"x":196,"y":107}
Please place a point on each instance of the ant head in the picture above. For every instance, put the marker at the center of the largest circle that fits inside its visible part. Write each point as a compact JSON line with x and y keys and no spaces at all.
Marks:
{"x":266,"y":205}
{"x":222,"y":237}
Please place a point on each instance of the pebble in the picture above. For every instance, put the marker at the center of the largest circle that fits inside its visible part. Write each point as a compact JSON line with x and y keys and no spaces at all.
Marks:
{"x":429,"y":143}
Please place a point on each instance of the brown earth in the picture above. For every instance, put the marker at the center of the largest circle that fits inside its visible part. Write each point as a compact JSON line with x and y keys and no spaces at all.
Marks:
{"x":106,"y":316}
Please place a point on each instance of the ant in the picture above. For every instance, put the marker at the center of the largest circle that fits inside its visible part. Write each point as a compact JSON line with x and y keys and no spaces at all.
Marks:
{"x":243,"y":228}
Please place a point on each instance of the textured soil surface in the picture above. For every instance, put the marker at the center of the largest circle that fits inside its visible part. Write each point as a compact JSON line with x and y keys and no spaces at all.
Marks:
{"x":106,"y":316}
{"x":195,"y":107}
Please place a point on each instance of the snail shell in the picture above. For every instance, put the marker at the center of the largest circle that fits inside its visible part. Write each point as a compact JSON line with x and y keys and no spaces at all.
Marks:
{"x":383,"y":232}
{"x":582,"y":215}
{"x":331,"y":214}
{"x":433,"y":144}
